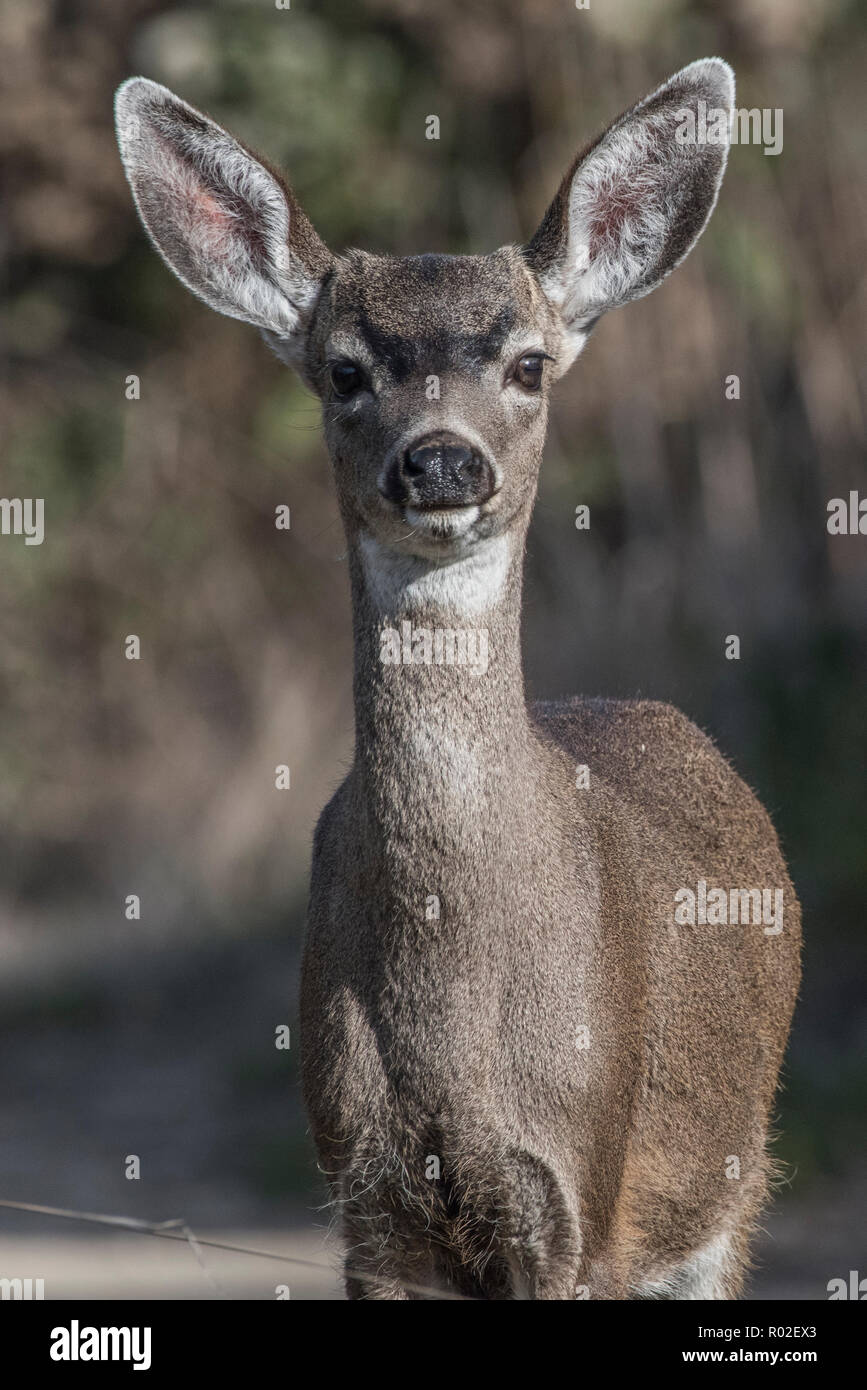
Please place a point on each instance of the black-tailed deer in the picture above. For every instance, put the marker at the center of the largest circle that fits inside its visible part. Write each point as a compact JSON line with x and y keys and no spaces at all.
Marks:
{"x":543,"y":1009}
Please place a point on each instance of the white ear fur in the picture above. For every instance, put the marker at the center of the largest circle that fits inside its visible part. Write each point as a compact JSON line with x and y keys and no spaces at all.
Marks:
{"x":633,"y":206}
{"x":219,"y":218}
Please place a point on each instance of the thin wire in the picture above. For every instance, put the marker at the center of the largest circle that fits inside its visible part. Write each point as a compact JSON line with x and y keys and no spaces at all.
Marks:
{"x":168,"y":1230}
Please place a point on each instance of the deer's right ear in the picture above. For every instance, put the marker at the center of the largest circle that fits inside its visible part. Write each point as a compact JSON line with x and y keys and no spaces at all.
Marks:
{"x":228,"y":227}
{"x":637,"y":200}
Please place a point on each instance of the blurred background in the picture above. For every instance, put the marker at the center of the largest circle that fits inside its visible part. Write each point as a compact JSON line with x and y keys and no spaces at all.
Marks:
{"x":155,"y":1037}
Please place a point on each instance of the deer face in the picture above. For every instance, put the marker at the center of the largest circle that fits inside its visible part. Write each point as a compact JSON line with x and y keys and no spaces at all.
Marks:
{"x":433,"y":371}
{"x":434,"y":374}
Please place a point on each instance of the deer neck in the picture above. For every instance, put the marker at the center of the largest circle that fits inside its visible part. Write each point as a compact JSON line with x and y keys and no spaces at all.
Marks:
{"x":442,"y":731}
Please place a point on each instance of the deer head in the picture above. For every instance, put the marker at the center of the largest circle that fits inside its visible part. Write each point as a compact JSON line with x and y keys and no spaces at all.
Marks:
{"x":434,"y":371}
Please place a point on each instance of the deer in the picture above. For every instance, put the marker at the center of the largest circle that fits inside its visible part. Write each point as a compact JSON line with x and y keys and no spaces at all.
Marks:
{"x":529,"y":1074}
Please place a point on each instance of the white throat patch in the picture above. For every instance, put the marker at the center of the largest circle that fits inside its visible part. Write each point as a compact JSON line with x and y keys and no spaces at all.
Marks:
{"x":465,"y":587}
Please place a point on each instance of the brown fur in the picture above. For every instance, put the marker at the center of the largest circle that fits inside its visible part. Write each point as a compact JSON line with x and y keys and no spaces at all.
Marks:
{"x":472,"y":1141}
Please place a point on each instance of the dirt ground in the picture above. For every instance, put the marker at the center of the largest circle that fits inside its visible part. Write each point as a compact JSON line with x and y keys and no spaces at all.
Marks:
{"x":797,"y":1252}
{"x":165,"y":1051}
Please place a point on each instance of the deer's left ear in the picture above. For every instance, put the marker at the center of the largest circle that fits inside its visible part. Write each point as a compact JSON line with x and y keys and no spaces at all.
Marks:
{"x":227,"y":225}
{"x":636,"y":201}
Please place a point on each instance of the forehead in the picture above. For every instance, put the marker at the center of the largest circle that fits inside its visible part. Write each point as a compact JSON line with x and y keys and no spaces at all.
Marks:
{"x":431,"y":312}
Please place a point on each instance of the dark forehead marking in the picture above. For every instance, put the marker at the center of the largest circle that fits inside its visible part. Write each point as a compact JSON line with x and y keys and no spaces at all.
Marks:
{"x":394,"y":349}
{"x":430,"y":313}
{"x":487,"y":345}
{"x":443,"y":347}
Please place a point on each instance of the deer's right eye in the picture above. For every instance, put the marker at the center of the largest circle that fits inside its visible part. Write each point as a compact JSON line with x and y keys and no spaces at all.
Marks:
{"x":528,"y":370}
{"x":346,"y":377}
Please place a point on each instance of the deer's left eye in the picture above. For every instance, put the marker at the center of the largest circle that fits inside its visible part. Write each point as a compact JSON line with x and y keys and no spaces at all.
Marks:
{"x":528,"y":371}
{"x":346,"y":377}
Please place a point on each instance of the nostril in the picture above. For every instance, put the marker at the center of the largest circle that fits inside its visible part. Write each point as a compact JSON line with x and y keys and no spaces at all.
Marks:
{"x":470,"y":466}
{"x":443,"y":470}
{"x":415,"y":461}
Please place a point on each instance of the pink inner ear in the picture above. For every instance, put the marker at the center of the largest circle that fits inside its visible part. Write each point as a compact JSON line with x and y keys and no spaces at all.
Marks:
{"x":208,"y":226}
{"x":615,"y":205}
{"x":213,"y":224}
{"x":626,"y":194}
{"x":206,"y":206}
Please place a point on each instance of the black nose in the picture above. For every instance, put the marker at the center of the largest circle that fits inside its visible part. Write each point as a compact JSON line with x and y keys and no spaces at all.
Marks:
{"x":443,"y":470}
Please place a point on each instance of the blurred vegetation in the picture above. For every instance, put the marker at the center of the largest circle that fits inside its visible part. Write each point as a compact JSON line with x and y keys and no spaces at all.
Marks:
{"x":708,"y":515}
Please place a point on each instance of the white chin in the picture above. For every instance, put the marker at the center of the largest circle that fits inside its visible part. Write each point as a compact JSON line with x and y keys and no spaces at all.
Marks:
{"x":448,"y":525}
